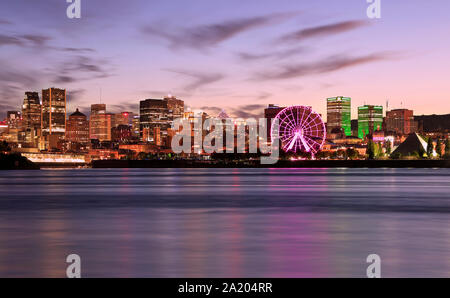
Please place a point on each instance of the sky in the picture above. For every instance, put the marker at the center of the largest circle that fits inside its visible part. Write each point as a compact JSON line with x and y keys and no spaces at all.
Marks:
{"x":238,"y":56}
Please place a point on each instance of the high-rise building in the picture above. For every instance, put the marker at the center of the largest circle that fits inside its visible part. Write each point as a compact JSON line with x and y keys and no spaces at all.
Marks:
{"x":156,"y":117}
{"x":31,"y":110}
{"x":339,"y":114}
{"x":77,"y":128}
{"x":14,"y":120}
{"x":100,"y":123}
{"x":53,"y":117}
{"x":400,"y":121}
{"x":31,"y":119}
{"x":270,"y":113}
{"x":370,"y":119}
{"x":135,"y":131}
{"x":121,"y":133}
{"x":124,"y":118}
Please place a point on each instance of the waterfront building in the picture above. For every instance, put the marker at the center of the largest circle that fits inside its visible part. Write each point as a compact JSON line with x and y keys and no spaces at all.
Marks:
{"x":31,"y":110}
{"x":270,"y":113}
{"x":77,"y":131}
{"x":100,"y":123}
{"x":370,"y":119}
{"x":31,"y":119}
{"x":53,"y":117}
{"x":123,"y":118}
{"x":156,"y":117}
{"x":414,"y":144}
{"x":401,"y":121}
{"x":121,"y":133}
{"x":339,"y":114}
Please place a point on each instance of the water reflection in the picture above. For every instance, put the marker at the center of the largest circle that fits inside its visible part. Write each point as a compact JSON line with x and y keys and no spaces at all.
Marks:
{"x":225,"y":222}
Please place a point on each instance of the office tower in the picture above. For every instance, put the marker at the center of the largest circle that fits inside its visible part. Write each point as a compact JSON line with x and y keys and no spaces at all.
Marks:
{"x":31,"y":110}
{"x":99,"y":108}
{"x":53,"y":117}
{"x":370,"y":119}
{"x":339,"y":114}
{"x":31,"y":119}
{"x":121,"y":133}
{"x":270,"y":113}
{"x":124,"y":118}
{"x":135,"y":131}
{"x":401,"y":121}
{"x":156,"y":117}
{"x":14,"y":120}
{"x":77,"y":128}
{"x":101,"y":123}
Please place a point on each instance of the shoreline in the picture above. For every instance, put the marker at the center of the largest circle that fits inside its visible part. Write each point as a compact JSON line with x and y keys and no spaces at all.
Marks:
{"x":102,"y":164}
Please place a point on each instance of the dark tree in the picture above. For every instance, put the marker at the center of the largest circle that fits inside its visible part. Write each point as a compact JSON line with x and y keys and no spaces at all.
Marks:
{"x":371,"y":149}
{"x":430,"y":147}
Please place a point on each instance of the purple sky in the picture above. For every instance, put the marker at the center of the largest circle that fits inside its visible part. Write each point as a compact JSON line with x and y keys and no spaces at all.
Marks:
{"x":236,"y":55}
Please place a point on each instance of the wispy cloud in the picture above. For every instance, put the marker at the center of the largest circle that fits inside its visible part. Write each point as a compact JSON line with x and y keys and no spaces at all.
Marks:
{"x":330,"y":64}
{"x":81,"y":67}
{"x":199,"y":79}
{"x":242,"y":111}
{"x":205,"y":36}
{"x":277,"y":55}
{"x":323,"y":31}
{"x":25,"y":40}
{"x":5,"y":22}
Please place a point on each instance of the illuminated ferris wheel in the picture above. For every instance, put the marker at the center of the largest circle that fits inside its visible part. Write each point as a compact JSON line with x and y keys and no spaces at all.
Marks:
{"x":300,"y":130}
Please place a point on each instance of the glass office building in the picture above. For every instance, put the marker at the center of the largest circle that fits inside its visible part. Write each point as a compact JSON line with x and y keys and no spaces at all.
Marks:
{"x":339,"y":114}
{"x":370,"y":119}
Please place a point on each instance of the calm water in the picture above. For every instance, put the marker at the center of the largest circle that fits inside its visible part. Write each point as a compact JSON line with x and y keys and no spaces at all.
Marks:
{"x":225,"y":222}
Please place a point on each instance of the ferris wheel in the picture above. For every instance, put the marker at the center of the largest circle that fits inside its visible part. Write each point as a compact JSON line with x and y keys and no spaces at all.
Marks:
{"x":300,"y":129}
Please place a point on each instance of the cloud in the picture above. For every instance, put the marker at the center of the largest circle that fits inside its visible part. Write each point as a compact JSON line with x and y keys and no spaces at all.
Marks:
{"x":124,"y":107}
{"x":36,"y":40}
{"x":242,"y":111}
{"x":205,"y":36}
{"x":24,"y":40}
{"x":200,"y":79}
{"x":322,"y":31}
{"x":330,"y":64}
{"x":79,"y":68}
{"x":5,"y":22}
{"x":74,"y":96}
{"x":247,"y":111}
{"x":10,"y":40}
{"x":76,"y":50}
{"x":279,"y":55}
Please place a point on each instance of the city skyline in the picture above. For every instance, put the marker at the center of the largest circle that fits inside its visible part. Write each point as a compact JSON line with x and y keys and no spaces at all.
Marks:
{"x":282,"y":53}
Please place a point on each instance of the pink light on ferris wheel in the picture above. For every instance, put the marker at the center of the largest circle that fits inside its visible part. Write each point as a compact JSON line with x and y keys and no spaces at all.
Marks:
{"x":300,"y":130}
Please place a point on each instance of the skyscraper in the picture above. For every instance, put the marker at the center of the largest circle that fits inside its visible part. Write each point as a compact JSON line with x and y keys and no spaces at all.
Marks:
{"x":31,"y":110}
{"x":31,"y":118}
{"x":77,"y":129}
{"x":53,"y":116}
{"x":370,"y":119}
{"x":270,"y":113}
{"x":401,"y":121}
{"x":100,"y":124}
{"x":156,"y":117}
{"x":339,"y":114}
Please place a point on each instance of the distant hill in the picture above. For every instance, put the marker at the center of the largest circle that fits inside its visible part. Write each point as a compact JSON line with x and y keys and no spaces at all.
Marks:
{"x":433,"y":123}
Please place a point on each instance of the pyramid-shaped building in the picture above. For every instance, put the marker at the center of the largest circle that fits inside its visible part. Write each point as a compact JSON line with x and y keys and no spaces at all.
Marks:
{"x":414,"y":143}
